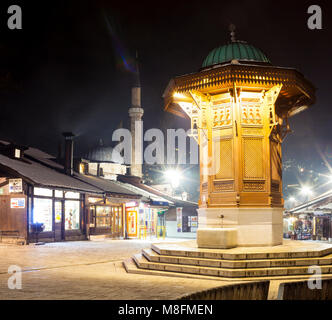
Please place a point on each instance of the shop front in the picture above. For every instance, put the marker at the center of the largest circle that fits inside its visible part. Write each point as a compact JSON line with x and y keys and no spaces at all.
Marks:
{"x":308,"y":226}
{"x":299,"y":227}
{"x":60,"y":212}
{"x":142,"y":220}
{"x":106,"y":217}
{"x":322,"y":227}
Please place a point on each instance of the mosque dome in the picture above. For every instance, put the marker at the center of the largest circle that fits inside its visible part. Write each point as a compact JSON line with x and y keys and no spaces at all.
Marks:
{"x":236,"y":50}
{"x":104,"y":154}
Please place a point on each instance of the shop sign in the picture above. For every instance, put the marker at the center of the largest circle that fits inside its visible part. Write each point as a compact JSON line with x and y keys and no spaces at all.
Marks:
{"x":15,"y":185}
{"x":159,"y":203}
{"x":132,"y":223}
{"x":131,"y":204}
{"x":17,"y":203}
{"x":179,"y":219}
{"x":94,"y":200}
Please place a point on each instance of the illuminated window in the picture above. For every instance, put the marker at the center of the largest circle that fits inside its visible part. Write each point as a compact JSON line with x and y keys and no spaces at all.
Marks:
{"x":58,"y":194}
{"x":72,"y":195}
{"x":82,"y":168}
{"x":42,"y":192}
{"x":42,"y":212}
{"x":17,"y":153}
{"x":103,"y":216}
{"x":72,"y":215}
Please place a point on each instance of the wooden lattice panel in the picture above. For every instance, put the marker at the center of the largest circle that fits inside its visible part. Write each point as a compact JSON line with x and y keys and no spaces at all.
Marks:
{"x":223,"y":156}
{"x":253,"y":157}
{"x":254,"y":185}
{"x":222,"y":115}
{"x":251,"y":114}
{"x":275,"y":161}
{"x":224,"y":185}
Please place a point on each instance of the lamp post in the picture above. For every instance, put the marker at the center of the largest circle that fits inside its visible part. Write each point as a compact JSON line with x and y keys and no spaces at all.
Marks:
{"x":173,"y":176}
{"x":306,"y":191}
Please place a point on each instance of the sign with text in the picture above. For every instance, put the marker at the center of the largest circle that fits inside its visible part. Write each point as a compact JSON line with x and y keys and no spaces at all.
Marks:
{"x":17,"y":203}
{"x":15,"y":185}
{"x":179,"y":219}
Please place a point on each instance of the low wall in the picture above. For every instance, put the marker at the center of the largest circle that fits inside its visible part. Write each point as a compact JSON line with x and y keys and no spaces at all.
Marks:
{"x":171,"y":231}
{"x":300,"y":290}
{"x":243,"y":291}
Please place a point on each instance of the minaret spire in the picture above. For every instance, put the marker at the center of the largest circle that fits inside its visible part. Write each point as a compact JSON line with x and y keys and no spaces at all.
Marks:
{"x":137,"y":82}
{"x":136,"y":126}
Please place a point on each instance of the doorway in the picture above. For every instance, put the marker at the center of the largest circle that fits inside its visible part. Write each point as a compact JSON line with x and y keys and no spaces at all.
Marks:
{"x":59,"y":226}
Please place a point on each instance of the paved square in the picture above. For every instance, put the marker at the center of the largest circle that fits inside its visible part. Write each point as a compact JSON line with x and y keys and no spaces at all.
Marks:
{"x":87,"y":270}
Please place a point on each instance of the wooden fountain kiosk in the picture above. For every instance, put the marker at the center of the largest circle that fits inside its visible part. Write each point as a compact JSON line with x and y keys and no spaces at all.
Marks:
{"x":239,"y":105}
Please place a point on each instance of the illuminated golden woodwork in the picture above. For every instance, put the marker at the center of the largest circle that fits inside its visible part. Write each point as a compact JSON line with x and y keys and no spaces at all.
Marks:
{"x":239,"y":117}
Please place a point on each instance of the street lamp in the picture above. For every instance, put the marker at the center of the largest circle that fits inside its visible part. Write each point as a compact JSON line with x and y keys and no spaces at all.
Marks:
{"x":174,"y":177}
{"x":292,"y":199}
{"x":306,"y":190}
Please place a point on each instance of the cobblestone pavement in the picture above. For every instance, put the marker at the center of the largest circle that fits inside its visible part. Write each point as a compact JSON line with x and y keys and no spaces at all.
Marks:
{"x":87,"y":270}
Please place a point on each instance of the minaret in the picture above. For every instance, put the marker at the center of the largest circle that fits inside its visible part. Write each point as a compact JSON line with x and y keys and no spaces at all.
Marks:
{"x":136,"y":126}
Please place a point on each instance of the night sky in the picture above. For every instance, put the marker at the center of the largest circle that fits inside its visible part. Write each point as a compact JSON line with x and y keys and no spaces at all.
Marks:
{"x":63,"y":70}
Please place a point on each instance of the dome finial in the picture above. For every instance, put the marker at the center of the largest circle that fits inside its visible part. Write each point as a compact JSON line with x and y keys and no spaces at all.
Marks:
{"x":232,"y":30}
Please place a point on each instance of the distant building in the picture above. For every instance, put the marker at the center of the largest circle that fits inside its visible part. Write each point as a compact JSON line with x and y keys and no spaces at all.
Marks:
{"x":102,"y":161}
{"x":311,"y":220}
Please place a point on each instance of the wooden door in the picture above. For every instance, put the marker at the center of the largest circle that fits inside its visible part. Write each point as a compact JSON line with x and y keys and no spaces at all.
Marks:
{"x":59,"y":234}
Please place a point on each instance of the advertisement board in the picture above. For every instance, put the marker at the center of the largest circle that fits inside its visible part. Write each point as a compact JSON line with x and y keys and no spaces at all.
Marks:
{"x":132,"y":222}
{"x":179,"y":219}
{"x":17,"y":203}
{"x":15,"y":185}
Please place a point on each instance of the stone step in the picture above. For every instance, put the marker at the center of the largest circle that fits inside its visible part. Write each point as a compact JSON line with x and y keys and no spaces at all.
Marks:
{"x":131,"y":267}
{"x":144,"y":263}
{"x":153,"y":256}
{"x":242,"y":253}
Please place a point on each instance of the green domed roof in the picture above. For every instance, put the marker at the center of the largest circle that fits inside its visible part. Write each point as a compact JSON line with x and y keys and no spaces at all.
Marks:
{"x":237,"y":50}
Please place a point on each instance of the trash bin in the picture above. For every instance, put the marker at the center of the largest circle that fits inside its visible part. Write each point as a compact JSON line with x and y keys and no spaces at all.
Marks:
{"x":37,"y":228}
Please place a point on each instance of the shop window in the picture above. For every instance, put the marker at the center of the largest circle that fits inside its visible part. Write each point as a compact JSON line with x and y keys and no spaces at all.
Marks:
{"x":17,"y":153}
{"x":58,"y":193}
{"x":42,"y":212}
{"x":117,"y":218}
{"x":42,"y":192}
{"x":72,"y":195}
{"x":92,"y":216}
{"x":72,"y":215}
{"x":57,"y":211}
{"x":103,"y":216}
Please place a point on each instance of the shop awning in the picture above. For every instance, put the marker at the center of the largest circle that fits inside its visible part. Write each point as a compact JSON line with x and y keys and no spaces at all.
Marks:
{"x":148,"y":196}
{"x":159,"y":203}
{"x":42,"y":175}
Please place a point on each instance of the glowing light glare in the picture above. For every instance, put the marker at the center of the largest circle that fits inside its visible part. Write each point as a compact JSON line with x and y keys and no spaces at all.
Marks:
{"x":292,"y":219}
{"x":174,"y":177}
{"x":292,"y":199}
{"x":178,"y":95}
{"x":306,"y":190}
